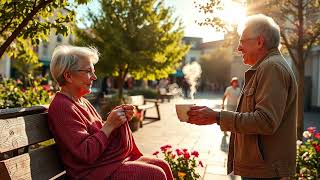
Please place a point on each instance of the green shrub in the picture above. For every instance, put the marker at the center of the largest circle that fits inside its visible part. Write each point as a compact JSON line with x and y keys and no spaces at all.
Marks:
{"x":15,"y":93}
{"x":147,"y":93}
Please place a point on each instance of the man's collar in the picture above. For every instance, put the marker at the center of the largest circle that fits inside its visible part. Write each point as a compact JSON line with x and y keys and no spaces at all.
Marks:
{"x":274,"y":51}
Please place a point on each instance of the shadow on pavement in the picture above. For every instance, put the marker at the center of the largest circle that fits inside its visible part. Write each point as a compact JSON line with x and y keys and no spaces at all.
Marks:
{"x":224,"y":145}
{"x":148,"y":121}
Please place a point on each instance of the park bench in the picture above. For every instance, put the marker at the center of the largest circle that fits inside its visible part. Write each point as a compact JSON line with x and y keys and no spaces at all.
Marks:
{"x":21,"y":157}
{"x":166,"y":96}
{"x":142,"y":105}
{"x":169,"y":93}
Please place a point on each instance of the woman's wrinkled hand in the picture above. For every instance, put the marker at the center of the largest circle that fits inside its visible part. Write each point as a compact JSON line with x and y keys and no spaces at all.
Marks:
{"x":115,"y":119}
{"x":129,"y":110}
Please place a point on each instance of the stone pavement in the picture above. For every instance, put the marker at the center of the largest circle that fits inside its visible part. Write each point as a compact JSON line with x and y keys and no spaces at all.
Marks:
{"x":209,"y":141}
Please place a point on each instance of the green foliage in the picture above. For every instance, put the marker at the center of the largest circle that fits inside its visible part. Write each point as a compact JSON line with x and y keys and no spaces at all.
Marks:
{"x":25,"y":23}
{"x":147,"y":93}
{"x":182,"y":163}
{"x":135,"y":37}
{"x":15,"y":93}
{"x":308,"y":155}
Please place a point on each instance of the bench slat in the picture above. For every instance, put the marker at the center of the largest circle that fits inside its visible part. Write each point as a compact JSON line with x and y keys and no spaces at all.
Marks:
{"x":39,"y":164}
{"x":21,"y":111}
{"x":22,"y":131}
{"x":146,"y":106}
{"x":137,"y":100}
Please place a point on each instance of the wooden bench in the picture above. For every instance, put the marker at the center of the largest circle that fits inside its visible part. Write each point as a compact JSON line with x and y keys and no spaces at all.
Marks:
{"x":142,"y":105}
{"x":21,"y":129}
{"x":167,"y":96}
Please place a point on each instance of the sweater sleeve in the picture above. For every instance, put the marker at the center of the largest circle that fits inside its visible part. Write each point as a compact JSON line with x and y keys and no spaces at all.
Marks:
{"x":71,"y":132}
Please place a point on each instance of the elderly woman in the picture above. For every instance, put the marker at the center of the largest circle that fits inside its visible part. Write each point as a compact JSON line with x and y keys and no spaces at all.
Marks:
{"x":89,"y":148}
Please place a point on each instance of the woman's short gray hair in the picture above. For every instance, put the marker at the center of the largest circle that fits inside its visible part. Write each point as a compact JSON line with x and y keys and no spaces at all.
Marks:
{"x":66,"y":57}
{"x":260,"y":24}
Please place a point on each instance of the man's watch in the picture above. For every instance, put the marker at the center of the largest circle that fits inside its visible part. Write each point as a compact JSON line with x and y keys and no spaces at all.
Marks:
{"x":218,"y":116}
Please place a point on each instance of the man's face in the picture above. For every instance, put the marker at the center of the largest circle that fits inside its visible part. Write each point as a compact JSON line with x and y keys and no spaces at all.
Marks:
{"x":248,"y":46}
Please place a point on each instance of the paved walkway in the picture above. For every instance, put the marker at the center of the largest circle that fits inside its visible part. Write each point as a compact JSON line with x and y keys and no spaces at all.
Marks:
{"x":208,"y":140}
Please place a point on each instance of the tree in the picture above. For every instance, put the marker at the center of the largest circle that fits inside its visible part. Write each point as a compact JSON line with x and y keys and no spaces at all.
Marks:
{"x":135,"y":37}
{"x":216,"y":66}
{"x":300,"y":30}
{"x":24,"y":24}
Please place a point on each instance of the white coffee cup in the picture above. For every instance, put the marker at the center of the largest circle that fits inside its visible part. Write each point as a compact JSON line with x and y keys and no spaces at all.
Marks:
{"x":182,"y":110}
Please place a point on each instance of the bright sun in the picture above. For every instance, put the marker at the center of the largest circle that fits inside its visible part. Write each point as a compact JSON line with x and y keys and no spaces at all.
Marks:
{"x":233,"y":12}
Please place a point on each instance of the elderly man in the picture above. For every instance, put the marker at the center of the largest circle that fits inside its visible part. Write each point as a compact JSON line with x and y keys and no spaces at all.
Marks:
{"x":263,"y":128}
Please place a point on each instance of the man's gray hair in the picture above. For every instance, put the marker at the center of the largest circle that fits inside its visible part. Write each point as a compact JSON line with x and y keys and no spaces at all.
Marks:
{"x":66,"y":57}
{"x":260,"y":24}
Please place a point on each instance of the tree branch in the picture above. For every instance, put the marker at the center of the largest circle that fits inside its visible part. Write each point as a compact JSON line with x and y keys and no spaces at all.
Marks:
{"x":34,"y":4}
{"x":9,"y":23}
{"x":292,"y":4}
{"x":311,"y":41}
{"x":286,"y":43}
{"x":24,"y":23}
{"x":306,"y":4}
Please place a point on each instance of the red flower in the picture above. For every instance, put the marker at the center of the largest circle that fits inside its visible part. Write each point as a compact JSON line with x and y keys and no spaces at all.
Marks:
{"x":195,"y":153}
{"x":186,"y":155}
{"x":311,"y":129}
{"x":200,"y":163}
{"x":317,"y":135}
{"x":179,"y":152}
{"x":317,"y":147}
{"x":184,"y":150}
{"x":156,"y":153}
{"x":165,"y":148}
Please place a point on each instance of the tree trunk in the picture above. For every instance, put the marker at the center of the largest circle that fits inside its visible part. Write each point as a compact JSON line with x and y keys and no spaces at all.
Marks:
{"x":120,"y":82}
{"x":300,"y":100}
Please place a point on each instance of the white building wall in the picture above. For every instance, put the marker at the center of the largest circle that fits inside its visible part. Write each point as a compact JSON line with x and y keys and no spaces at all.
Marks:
{"x":5,"y":67}
{"x":46,"y":48}
{"x":315,"y":61}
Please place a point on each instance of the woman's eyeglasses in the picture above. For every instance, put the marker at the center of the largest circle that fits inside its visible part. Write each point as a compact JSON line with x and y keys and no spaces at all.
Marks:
{"x":88,"y":71}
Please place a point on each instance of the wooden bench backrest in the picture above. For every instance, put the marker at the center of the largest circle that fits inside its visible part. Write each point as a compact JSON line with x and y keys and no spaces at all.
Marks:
{"x":137,"y":100}
{"x":20,"y":128}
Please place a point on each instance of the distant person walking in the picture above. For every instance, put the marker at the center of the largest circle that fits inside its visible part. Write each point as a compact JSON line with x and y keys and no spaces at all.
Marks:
{"x":232,"y":94}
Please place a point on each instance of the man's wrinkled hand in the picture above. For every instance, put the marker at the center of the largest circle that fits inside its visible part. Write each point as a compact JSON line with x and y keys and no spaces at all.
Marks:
{"x":201,"y":115}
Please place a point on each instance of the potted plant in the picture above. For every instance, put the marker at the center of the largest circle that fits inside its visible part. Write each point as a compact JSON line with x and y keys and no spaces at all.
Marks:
{"x":134,"y":123}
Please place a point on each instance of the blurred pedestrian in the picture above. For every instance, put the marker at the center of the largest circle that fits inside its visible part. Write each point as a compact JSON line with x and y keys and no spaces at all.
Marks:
{"x":231,"y":94}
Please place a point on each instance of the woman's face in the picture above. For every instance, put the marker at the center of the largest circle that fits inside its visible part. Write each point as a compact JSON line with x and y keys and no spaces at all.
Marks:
{"x":83,"y":77}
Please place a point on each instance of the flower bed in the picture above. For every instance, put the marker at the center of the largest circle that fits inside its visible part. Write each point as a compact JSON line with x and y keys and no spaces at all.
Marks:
{"x":182,"y":162}
{"x":308,"y":155}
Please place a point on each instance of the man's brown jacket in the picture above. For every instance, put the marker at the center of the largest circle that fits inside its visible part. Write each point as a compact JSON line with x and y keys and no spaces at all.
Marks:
{"x":263,"y":138}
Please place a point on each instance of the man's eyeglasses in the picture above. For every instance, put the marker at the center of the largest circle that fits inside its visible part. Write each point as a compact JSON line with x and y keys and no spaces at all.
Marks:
{"x":247,"y":39}
{"x":92,"y":73}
